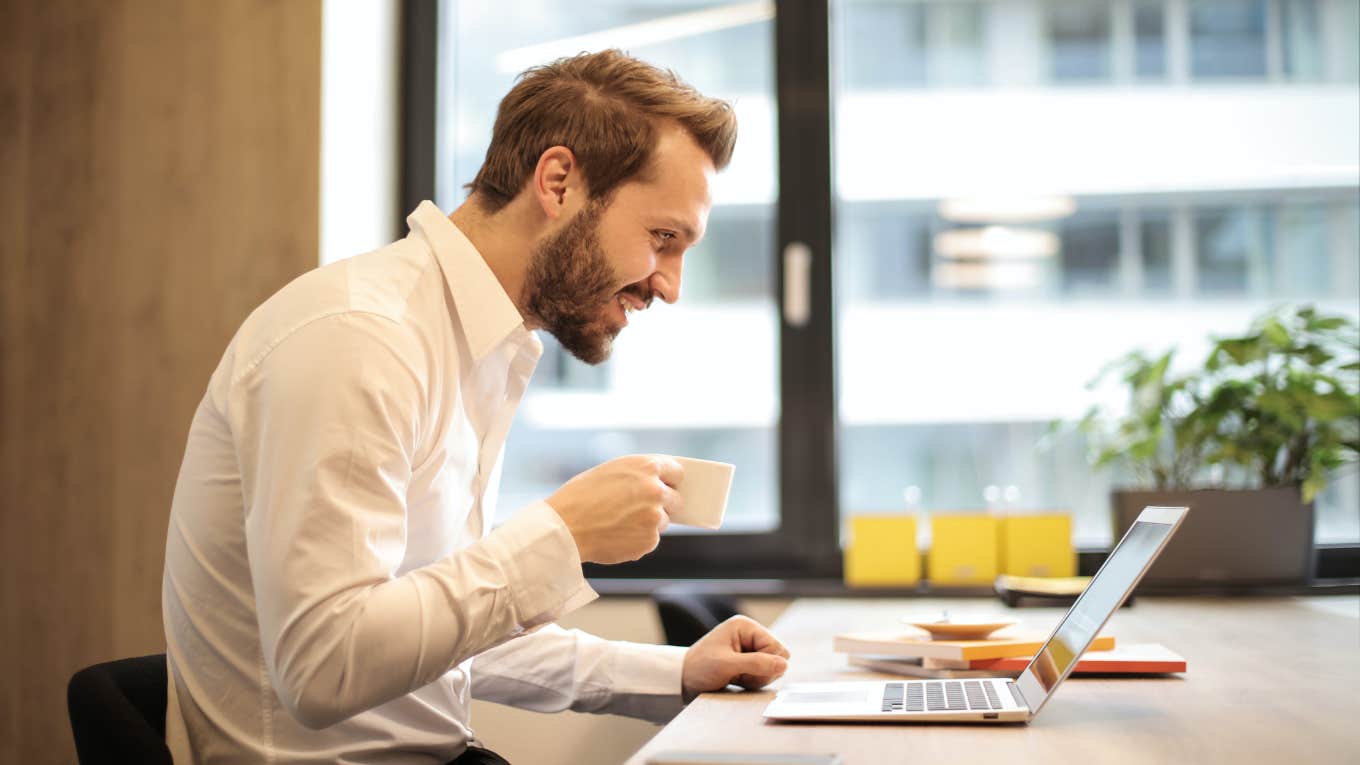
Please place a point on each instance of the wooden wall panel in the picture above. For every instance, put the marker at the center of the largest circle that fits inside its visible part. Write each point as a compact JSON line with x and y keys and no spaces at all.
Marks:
{"x":159,"y":177}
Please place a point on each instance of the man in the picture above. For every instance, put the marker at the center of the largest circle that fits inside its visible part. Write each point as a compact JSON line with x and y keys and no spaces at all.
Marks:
{"x":331,"y":593}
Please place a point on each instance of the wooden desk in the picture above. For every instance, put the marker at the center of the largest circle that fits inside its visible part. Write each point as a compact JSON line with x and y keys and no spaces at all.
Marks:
{"x":1268,"y":680}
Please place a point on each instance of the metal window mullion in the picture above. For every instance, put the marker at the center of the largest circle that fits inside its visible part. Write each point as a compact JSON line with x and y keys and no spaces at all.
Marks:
{"x":1258,"y":258}
{"x":1183,"y":255}
{"x":1130,"y":251}
{"x":1343,"y":244}
{"x":1274,"y":41}
{"x":419,"y":82}
{"x":1176,"y":28}
{"x":1123,"y":42}
{"x":807,"y":422}
{"x":1286,"y":272}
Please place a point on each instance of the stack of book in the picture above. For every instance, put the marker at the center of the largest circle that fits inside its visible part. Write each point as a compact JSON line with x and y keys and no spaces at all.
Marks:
{"x":919,"y":656}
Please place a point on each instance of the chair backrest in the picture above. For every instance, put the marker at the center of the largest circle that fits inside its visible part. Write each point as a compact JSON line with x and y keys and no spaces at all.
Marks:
{"x":118,"y":711}
{"x":688,"y":614}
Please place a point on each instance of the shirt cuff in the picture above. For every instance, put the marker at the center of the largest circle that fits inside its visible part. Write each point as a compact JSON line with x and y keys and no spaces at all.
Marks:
{"x":542,"y":565}
{"x":647,"y":680}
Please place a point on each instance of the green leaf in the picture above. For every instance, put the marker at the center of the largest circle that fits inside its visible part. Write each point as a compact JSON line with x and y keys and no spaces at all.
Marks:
{"x":1313,"y":485}
{"x":1275,"y":333}
{"x":1327,"y":324}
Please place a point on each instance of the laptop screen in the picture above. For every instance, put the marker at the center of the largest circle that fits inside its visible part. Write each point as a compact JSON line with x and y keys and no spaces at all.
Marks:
{"x":1106,"y":592}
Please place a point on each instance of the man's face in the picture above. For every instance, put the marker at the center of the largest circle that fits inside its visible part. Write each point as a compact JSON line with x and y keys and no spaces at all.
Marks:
{"x":606,"y":261}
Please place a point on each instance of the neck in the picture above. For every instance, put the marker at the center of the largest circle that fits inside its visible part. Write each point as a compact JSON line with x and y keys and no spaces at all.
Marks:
{"x":504,"y":239}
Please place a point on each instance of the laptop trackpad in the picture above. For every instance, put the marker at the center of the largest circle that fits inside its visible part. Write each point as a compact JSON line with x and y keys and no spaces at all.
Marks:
{"x":826,"y":697}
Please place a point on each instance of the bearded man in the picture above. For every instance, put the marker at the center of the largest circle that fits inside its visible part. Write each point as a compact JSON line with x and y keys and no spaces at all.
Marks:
{"x":332,"y":592}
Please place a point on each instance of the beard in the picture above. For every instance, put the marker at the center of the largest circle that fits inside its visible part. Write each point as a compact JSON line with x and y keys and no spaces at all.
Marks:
{"x":569,"y":285}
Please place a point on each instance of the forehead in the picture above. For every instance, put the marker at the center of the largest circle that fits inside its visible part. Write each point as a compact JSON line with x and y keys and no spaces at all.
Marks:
{"x":676,"y":183}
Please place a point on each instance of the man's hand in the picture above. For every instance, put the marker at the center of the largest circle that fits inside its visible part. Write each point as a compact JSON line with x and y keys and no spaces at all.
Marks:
{"x":739,"y":651}
{"x":617,"y":511}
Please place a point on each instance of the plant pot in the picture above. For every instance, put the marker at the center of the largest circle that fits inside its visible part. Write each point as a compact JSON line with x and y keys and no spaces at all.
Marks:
{"x":1229,"y":538}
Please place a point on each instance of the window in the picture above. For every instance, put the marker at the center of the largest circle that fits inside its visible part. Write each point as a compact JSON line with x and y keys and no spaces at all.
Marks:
{"x":1079,"y":39}
{"x":994,"y":249}
{"x":1228,"y":38}
{"x":701,"y":378}
{"x":696,"y":379}
{"x":999,"y":235}
{"x":1149,"y":35}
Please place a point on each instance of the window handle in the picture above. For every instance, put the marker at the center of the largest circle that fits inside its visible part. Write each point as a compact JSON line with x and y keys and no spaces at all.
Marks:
{"x":797,"y":284}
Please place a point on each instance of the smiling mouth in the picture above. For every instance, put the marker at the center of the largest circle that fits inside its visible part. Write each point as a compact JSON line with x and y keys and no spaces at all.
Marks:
{"x":634,"y":297}
{"x":629,"y":304}
{"x":629,"y":301}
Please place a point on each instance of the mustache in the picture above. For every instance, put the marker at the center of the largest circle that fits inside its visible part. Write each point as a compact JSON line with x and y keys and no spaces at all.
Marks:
{"x":640,"y":292}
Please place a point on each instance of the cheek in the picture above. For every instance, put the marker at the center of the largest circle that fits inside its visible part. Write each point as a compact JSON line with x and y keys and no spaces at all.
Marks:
{"x":628,"y":252}
{"x":630,"y":261}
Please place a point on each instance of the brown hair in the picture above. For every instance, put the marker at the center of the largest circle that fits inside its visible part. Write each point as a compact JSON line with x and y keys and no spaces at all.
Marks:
{"x":604,"y":107}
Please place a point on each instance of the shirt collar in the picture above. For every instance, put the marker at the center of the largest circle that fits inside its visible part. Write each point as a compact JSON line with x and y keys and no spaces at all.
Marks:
{"x":487,"y":314}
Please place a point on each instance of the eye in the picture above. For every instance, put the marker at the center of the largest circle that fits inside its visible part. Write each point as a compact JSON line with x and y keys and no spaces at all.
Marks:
{"x":663,"y":238}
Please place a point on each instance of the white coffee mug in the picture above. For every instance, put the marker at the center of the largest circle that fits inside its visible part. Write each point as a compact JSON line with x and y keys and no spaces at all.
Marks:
{"x":704,"y":491}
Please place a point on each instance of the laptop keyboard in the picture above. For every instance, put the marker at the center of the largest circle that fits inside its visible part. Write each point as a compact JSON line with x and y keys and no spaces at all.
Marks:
{"x":940,"y":696}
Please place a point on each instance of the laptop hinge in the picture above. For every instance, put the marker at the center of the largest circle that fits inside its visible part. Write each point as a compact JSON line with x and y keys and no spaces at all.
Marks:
{"x":1015,"y":691}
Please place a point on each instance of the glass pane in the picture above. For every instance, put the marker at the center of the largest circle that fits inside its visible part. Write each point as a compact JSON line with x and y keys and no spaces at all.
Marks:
{"x":892,"y":36}
{"x":1154,"y":237}
{"x":1343,"y":45}
{"x":1300,"y":41}
{"x":698,"y":378}
{"x":1230,"y":250}
{"x":1149,"y":39}
{"x":1079,"y":40}
{"x":957,"y":55}
{"x":1090,"y":253}
{"x":996,"y":247}
{"x":1302,"y":234}
{"x":1228,"y":38}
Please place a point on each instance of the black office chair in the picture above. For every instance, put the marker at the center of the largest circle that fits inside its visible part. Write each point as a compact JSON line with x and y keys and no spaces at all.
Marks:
{"x":687,"y":614}
{"x":118,"y":712}
{"x":118,"y":715}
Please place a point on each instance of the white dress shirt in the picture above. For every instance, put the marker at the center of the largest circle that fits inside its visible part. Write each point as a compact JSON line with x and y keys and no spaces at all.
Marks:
{"x":329,"y":577}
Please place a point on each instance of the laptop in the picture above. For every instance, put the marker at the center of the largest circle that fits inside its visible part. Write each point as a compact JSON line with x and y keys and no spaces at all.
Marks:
{"x":989,"y":700}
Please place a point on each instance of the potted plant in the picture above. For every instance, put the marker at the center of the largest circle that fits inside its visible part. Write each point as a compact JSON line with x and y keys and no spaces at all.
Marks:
{"x":1246,"y":441}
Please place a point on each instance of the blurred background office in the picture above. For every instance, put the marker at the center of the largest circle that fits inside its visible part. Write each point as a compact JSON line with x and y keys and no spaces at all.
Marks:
{"x":942,"y":219}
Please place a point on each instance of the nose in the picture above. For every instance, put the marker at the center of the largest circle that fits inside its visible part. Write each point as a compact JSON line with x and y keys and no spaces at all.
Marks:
{"x":665,"y":281}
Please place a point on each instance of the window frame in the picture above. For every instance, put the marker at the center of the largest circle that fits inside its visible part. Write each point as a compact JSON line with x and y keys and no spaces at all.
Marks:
{"x":806,"y":544}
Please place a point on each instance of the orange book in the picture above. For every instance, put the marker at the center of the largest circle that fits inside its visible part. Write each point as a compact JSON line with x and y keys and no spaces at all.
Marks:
{"x":1135,"y":658}
{"x":921,"y":646}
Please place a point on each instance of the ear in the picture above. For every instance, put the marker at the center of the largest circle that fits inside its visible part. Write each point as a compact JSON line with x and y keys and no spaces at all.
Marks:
{"x":557,"y":183}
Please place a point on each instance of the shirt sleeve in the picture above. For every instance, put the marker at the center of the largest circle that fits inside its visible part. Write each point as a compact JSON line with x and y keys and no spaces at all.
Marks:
{"x":326,"y":428}
{"x":553,"y":669}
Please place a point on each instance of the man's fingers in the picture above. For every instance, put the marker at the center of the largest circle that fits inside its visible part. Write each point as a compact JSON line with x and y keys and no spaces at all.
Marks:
{"x":757,"y":670}
{"x":671,"y":501}
{"x":749,"y":635}
{"x":668,"y":469}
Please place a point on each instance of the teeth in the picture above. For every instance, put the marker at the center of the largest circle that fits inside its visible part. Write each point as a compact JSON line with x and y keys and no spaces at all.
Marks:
{"x":625,"y":305}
